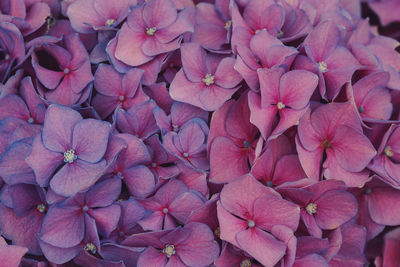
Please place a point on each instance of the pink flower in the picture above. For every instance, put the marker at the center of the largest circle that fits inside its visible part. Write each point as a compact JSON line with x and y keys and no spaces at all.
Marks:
{"x":204,"y":81}
{"x":252,"y":216}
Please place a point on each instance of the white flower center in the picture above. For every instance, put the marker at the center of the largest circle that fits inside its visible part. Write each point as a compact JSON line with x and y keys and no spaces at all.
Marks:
{"x":151,"y":31}
{"x":169,"y":250}
{"x":110,"y":22}
{"x":322,"y":66}
{"x":311,"y":208}
{"x":208,"y":79}
{"x":69,"y":156}
{"x":280,"y":105}
{"x":90,"y":247}
{"x":388,"y":151}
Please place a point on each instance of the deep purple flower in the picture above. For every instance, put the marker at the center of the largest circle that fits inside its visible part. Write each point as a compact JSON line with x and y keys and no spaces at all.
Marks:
{"x":63,"y":70}
{"x":72,"y":143}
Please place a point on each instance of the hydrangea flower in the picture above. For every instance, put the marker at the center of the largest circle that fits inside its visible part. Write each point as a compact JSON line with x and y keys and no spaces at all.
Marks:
{"x":75,"y":144}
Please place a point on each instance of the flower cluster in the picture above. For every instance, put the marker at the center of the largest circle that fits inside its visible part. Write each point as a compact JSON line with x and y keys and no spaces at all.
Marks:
{"x":181,"y":133}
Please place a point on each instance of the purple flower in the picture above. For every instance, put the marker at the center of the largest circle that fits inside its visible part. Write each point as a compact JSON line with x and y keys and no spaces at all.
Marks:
{"x":63,"y":70}
{"x":65,"y":225}
{"x":192,"y":245}
{"x":117,"y":90}
{"x":204,"y":81}
{"x":172,"y":204}
{"x":69,"y":153}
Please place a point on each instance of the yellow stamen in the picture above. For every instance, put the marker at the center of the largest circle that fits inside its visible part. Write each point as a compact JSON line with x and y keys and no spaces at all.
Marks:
{"x":311,"y":208}
{"x":69,"y":156}
{"x":110,"y":22}
{"x":169,"y":250}
{"x":90,"y":247}
{"x":245,"y":263}
{"x":388,"y":151}
{"x":228,"y":24}
{"x":208,"y":79}
{"x":41,"y":208}
{"x":322,"y":66}
{"x":280,"y":105}
{"x":151,"y":31}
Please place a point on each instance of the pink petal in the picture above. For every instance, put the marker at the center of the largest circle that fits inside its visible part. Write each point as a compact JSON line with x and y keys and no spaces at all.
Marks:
{"x":151,"y":257}
{"x":261,"y":245}
{"x":139,"y":180}
{"x":226,"y":76}
{"x":193,"y":61}
{"x":229,"y":225}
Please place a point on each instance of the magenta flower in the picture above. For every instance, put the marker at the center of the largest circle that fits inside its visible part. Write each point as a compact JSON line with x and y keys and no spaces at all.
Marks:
{"x":371,"y":97}
{"x":333,"y":63}
{"x":233,"y":256}
{"x":277,"y":165}
{"x":66,"y":77}
{"x":264,"y":51}
{"x":334,"y":129}
{"x":378,"y":204}
{"x":204,"y":81}
{"x":319,"y":205}
{"x":310,"y":252}
{"x":68,"y":154}
{"x":392,"y":243}
{"x":387,"y":10}
{"x":171,"y":205}
{"x":192,"y":245}
{"x":11,"y":255}
{"x":94,"y":15}
{"x":284,"y":94}
{"x":231,"y":143}
{"x":251,"y":217}
{"x":386,"y":163}
{"x":117,"y":90}
{"x":152,"y":28}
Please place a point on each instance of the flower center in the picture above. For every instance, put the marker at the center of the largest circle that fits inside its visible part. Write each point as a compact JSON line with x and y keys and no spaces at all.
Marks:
{"x":31,"y":120}
{"x":280,"y":34}
{"x":326,"y":144}
{"x":311,"y":208}
{"x":175,"y":128}
{"x":169,"y":250}
{"x":388,"y":151}
{"x":228,"y":24}
{"x":217,"y":231}
{"x":269,"y":183}
{"x":257,"y":31}
{"x":90,"y":247}
{"x":245,"y":263}
{"x":153,"y":164}
{"x":251,"y":223}
{"x":151,"y":31}
{"x":322,"y":67}
{"x":110,"y":22}
{"x":7,"y":57}
{"x":85,"y":208}
{"x":66,"y":70}
{"x":119,"y":174}
{"x":208,"y":79}
{"x":246,"y":144}
{"x":165,"y":210}
{"x":185,"y":155}
{"x":69,"y":156}
{"x":280,"y":105}
{"x":367,"y":191}
{"x":121,"y":98}
{"x":361,"y":109}
{"x":41,"y":208}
